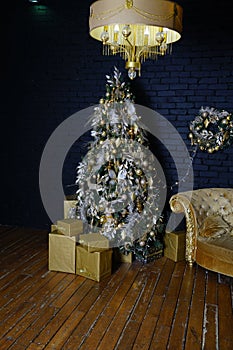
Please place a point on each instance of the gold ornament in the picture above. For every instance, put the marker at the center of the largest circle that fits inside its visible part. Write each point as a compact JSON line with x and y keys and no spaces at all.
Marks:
{"x":139,"y":172}
{"x":131,"y":133}
{"x":102,"y":219}
{"x":225,"y":136}
{"x":206,"y":123}
{"x":143,"y":182}
{"x":205,"y":114}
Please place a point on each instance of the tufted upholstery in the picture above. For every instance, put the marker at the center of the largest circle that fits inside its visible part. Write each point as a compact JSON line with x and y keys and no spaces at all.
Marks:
{"x":209,"y":227}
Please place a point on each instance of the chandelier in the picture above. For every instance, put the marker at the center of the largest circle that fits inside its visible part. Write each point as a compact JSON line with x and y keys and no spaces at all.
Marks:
{"x":136,"y":29}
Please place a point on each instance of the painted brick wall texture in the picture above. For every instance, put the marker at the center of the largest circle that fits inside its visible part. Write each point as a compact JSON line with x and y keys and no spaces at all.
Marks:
{"x":51,"y":68}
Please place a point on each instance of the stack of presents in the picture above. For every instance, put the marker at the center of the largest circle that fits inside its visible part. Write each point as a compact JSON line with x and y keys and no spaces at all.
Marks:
{"x":85,"y":254}
{"x":89,"y":254}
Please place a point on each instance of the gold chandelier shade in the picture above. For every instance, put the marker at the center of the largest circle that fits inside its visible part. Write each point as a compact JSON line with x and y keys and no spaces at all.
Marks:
{"x":136,"y":29}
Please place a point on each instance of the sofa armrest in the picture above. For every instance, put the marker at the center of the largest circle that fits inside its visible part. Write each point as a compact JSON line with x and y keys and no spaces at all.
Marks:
{"x":196,"y":206}
{"x":181,"y":203}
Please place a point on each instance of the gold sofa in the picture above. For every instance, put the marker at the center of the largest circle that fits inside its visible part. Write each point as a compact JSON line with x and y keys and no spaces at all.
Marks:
{"x":209,"y":227}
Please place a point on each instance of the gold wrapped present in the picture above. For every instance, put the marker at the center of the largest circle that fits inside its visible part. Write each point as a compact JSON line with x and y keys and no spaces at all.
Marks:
{"x":94,"y":242}
{"x":70,"y":209}
{"x":96,"y":265}
{"x":62,"y":253}
{"x":174,"y":245}
{"x":53,"y":228}
{"x":70,"y":227}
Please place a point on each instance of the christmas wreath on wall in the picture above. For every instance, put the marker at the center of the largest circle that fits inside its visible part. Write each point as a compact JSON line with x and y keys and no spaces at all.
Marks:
{"x":212,"y":130}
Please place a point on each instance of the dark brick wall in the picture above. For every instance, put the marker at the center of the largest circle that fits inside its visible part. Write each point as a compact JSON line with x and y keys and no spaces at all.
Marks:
{"x":51,"y":68}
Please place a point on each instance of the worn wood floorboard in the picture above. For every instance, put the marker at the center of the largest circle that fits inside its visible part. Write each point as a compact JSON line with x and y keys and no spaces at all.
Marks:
{"x":159,"y":305}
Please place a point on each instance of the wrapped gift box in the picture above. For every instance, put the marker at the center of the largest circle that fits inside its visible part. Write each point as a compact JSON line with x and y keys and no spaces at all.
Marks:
{"x":119,"y":257}
{"x":62,"y":253}
{"x":95,"y":265}
{"x":54,"y":229}
{"x":149,"y":255}
{"x":94,"y":242}
{"x":70,"y":227}
{"x":70,"y":210}
{"x":174,"y":245}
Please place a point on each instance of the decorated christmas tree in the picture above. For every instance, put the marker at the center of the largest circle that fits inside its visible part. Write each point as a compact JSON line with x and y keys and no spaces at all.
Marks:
{"x":118,"y":186}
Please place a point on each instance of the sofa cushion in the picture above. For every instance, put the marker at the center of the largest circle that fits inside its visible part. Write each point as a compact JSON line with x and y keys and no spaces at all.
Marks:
{"x":213,"y":226}
{"x":216,"y":255}
{"x":229,"y":220}
{"x":220,"y":248}
{"x":212,"y":201}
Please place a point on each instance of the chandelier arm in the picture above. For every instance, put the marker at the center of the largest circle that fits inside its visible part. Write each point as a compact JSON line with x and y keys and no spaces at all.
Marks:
{"x":133,"y":50}
{"x":124,"y":49}
{"x":126,"y":39}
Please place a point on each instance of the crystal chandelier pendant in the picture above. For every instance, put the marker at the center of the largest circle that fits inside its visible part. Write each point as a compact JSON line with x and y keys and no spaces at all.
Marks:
{"x":132,"y":73}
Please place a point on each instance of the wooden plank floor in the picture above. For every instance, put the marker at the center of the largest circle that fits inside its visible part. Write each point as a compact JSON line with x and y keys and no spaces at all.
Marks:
{"x":159,"y":305}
